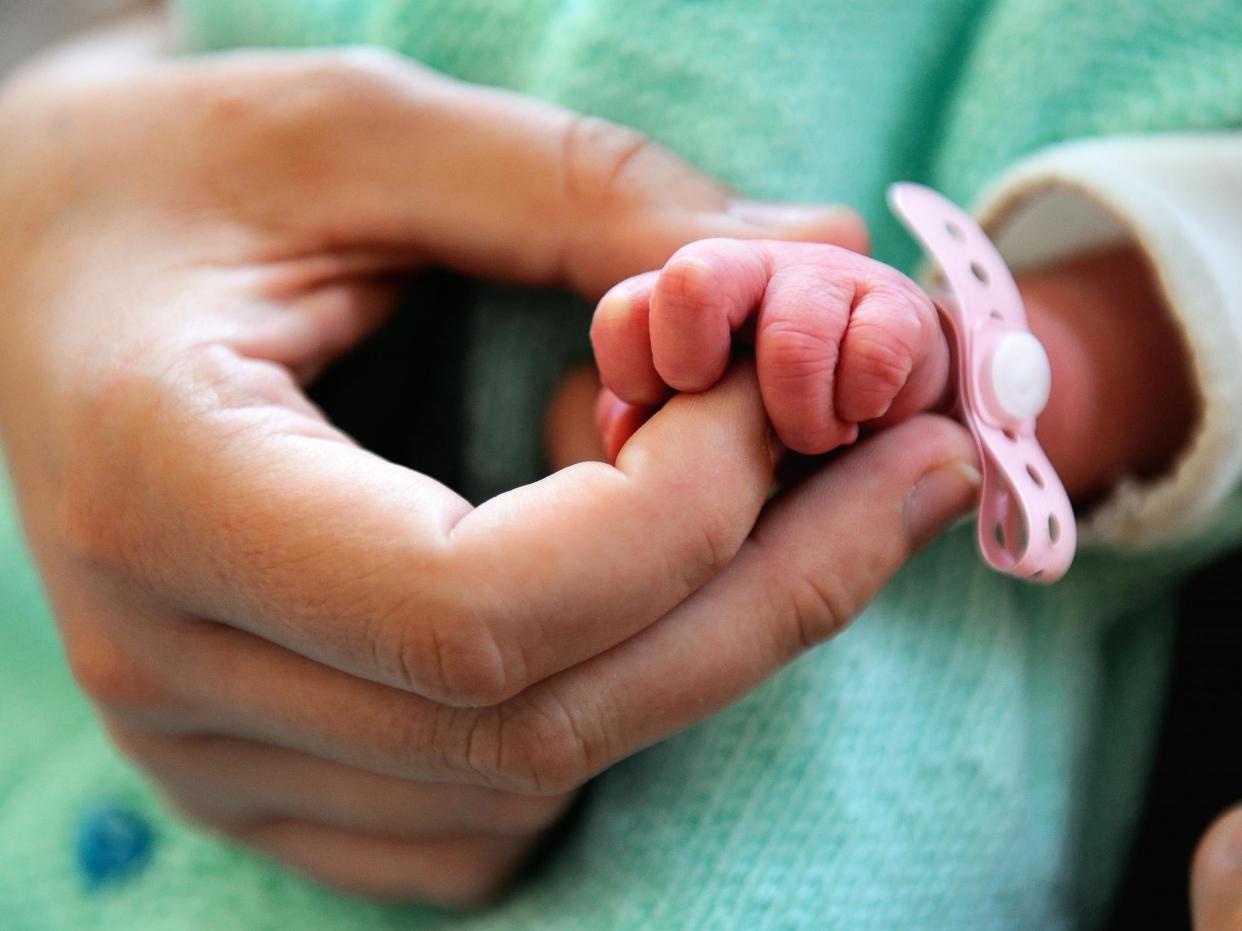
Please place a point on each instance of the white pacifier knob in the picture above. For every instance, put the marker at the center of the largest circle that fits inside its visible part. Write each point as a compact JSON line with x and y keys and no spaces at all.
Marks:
{"x":1020,"y":376}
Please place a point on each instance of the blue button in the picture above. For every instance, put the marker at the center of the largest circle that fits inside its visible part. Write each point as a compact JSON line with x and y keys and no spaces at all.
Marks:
{"x":112,"y":843}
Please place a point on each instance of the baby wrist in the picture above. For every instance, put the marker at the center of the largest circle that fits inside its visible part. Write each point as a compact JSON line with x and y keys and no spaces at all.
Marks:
{"x":1122,"y":401}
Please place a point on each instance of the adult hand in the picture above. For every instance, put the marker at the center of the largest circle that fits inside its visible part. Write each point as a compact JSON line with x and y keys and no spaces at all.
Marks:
{"x":328,"y":657}
{"x":1216,"y":876}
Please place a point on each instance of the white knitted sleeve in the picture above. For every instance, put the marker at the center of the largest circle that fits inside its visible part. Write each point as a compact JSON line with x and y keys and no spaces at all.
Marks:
{"x":1179,"y":199}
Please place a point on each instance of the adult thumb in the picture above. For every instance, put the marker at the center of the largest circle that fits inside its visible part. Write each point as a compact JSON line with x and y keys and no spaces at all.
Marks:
{"x":382,"y":151}
{"x":1216,"y":876}
{"x":634,"y":203}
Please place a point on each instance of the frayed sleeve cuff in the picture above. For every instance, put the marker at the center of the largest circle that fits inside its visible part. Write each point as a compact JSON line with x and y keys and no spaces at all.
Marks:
{"x":1178,"y":198}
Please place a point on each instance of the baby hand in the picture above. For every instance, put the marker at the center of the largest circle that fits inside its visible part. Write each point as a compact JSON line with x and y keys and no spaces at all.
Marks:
{"x":840,"y":339}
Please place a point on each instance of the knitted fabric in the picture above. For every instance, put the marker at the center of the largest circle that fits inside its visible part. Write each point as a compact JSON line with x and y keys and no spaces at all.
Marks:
{"x":970,"y":754}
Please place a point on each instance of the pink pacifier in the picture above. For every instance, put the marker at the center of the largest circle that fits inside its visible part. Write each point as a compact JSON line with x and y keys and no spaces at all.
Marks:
{"x":1026,"y":525}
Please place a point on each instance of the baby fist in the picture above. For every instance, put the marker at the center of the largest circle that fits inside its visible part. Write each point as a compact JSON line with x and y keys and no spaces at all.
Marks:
{"x":840,"y":339}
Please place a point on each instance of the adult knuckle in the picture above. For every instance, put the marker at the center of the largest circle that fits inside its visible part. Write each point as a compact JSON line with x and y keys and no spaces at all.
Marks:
{"x":614,"y":177}
{"x":235,"y":113}
{"x":314,"y":90}
{"x":806,"y":605}
{"x":540,"y":749}
{"x":362,"y":63}
{"x":597,"y":156}
{"x":814,"y":611}
{"x":712,"y":546}
{"x":709,"y":541}
{"x":105,"y":672}
{"x":228,"y":98}
{"x":470,"y":668}
{"x":141,"y":746}
{"x":349,"y":76}
{"x":450,"y":653}
{"x":102,"y":484}
{"x":474,"y":741}
{"x":270,"y":111}
{"x":93,"y":516}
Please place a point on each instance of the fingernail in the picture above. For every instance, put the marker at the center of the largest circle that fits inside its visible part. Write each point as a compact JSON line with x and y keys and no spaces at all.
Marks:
{"x":970,"y":472}
{"x":940,"y":496}
{"x":617,"y":300}
{"x":767,"y":213}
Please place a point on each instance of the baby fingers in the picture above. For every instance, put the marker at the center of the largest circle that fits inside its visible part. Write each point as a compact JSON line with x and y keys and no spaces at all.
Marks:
{"x":895,"y":357}
{"x":673,"y":329}
{"x":839,"y":338}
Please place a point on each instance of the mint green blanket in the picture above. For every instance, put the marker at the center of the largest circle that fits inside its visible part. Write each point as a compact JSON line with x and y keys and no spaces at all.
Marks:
{"x":971,"y":753}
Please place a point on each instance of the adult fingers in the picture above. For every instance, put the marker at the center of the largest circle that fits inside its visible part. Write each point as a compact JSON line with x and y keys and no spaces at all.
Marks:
{"x":369,"y":147}
{"x":229,"y":684}
{"x":625,"y":544}
{"x":1216,"y":876}
{"x":814,"y":560}
{"x":368,"y":567}
{"x":229,"y":783}
{"x":458,"y":872}
{"x":501,"y":185}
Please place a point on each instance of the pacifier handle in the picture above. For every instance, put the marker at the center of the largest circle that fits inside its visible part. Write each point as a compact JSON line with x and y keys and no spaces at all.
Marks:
{"x":1026,"y":524}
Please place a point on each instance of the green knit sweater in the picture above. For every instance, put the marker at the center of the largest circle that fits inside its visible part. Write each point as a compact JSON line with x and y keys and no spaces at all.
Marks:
{"x":970,"y":754}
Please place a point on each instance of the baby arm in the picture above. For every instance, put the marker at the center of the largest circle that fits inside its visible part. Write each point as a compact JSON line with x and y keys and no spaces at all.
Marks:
{"x":842,"y":340}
